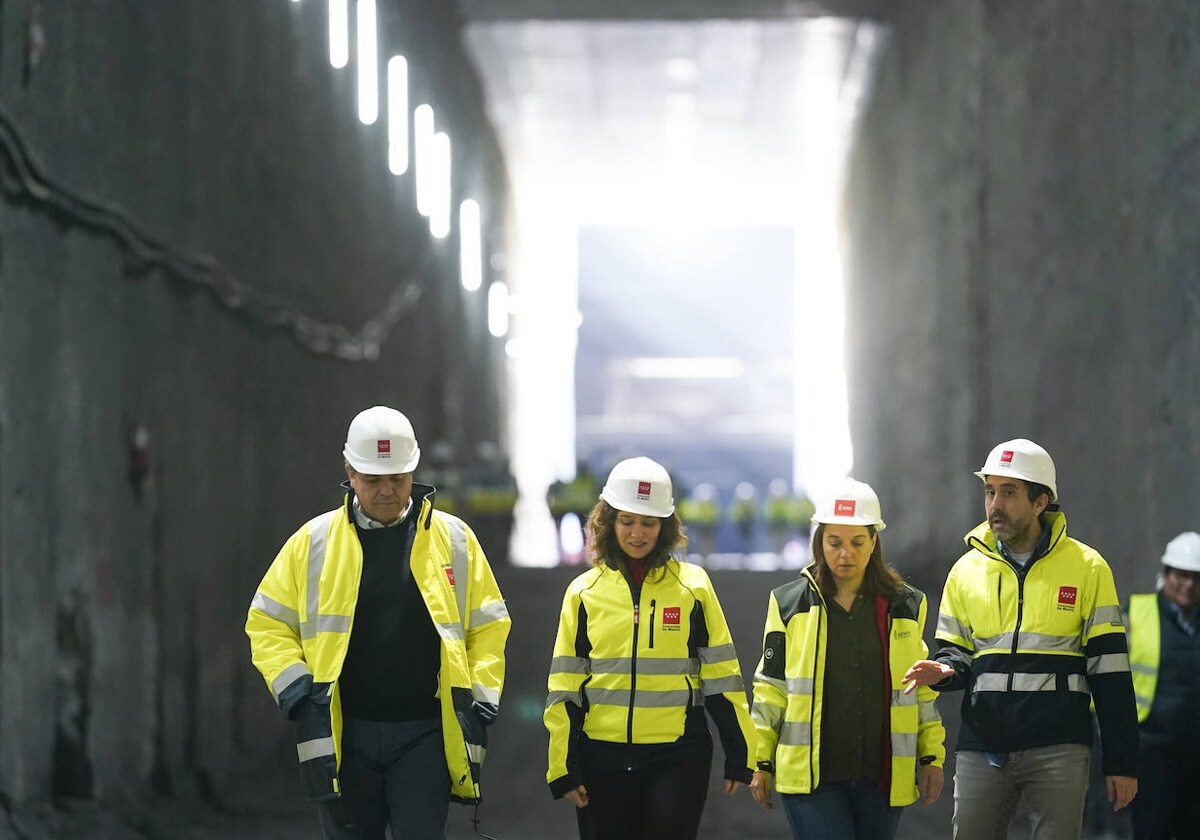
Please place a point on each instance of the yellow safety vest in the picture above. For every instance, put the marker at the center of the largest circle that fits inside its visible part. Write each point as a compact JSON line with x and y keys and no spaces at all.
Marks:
{"x":1145,"y":649}
{"x":788,"y":698}
{"x":630,"y":668}
{"x":301,"y":617}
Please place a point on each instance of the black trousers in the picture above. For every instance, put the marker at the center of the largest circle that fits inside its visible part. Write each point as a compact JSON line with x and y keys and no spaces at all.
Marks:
{"x":662,"y":802}
{"x":393,"y":773}
{"x":1168,"y":799}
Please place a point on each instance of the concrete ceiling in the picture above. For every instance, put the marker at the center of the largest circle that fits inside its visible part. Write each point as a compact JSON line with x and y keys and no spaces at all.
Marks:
{"x":616,"y":94}
{"x":483,"y":10}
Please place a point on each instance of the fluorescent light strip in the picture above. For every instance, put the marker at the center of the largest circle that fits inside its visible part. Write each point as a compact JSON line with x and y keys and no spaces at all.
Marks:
{"x":470,"y":245}
{"x":368,"y":63}
{"x":498,"y":309}
{"x":439,"y":209}
{"x":397,"y":92}
{"x":339,"y":33}
{"x":686,"y":368}
{"x":423,"y":157}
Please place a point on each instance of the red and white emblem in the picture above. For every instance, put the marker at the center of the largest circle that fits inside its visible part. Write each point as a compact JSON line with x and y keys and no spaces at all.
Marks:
{"x":844,"y":507}
{"x":670,"y":616}
{"x":1067,"y":595}
{"x":643,"y":490}
{"x":383,"y":447}
{"x":450,"y":575}
{"x":1006,"y":456}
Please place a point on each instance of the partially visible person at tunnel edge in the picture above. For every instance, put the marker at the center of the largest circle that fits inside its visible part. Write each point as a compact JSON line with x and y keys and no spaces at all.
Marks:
{"x":1164,"y":653}
{"x":1031,"y":630}
{"x":642,"y":651}
{"x":380,"y":632}
{"x":846,"y":749}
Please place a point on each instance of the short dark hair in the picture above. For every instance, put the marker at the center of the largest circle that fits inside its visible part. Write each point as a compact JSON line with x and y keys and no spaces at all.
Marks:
{"x":1035,"y":490}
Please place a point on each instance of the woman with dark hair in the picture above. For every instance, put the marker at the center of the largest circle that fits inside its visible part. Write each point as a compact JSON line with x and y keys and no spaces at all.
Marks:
{"x":642,"y":651}
{"x":837,"y":735}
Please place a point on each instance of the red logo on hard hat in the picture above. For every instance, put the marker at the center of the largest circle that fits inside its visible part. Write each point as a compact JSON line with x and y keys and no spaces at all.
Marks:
{"x":1006,"y":456}
{"x":1066,"y":595}
{"x":383,"y":447}
{"x":671,"y":616}
{"x":844,"y":507}
{"x":643,"y":489}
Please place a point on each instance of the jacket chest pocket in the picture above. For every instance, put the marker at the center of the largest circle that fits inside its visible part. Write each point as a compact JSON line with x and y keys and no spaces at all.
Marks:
{"x":1053,"y":607}
{"x":987,"y":618}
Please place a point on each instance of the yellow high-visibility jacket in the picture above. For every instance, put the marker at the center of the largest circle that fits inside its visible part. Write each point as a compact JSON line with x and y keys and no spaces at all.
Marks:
{"x":302,"y":615}
{"x":628,"y":673}
{"x":789,"y":691}
{"x":1033,"y":646}
{"x":1145,"y":650}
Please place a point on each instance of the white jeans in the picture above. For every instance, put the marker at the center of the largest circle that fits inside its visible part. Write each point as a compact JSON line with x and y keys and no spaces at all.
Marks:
{"x":1051,"y":780}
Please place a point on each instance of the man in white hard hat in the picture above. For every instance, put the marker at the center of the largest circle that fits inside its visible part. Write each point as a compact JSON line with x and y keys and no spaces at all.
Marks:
{"x":1030,"y":628}
{"x":1164,"y":651}
{"x":380,"y":632}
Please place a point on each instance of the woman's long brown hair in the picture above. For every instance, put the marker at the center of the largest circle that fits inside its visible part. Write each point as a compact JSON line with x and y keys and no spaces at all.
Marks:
{"x":602,"y":544}
{"x":878,"y":578}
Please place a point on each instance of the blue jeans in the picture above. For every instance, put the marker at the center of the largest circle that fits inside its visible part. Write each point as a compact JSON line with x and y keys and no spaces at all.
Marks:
{"x":1051,"y":780}
{"x":842,"y":811}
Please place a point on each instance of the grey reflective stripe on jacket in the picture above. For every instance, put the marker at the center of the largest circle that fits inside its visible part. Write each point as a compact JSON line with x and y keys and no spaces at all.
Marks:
{"x":318,"y":537}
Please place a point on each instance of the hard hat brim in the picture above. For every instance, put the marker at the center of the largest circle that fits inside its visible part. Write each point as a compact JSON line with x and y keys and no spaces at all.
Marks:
{"x":375,"y":468}
{"x":1053,"y":490}
{"x":647,"y":509}
{"x":851,"y":520}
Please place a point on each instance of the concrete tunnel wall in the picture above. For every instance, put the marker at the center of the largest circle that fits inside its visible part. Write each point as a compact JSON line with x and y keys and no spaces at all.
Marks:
{"x":221,"y":128}
{"x":1022,"y":262}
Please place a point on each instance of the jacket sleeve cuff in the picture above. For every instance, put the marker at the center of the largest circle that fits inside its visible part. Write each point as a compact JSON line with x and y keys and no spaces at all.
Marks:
{"x":563,"y":785}
{"x":295,"y":695}
{"x":738,"y":773}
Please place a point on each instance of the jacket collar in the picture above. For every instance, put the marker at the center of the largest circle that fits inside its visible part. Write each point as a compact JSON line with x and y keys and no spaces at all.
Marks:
{"x":422,"y":498}
{"x":1054,"y":528}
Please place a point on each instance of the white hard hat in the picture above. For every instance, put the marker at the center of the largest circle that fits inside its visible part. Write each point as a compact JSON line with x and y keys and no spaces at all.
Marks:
{"x":381,"y":441}
{"x":851,"y":503}
{"x":641,"y":486}
{"x":1024,"y":459}
{"x":1183,"y":552}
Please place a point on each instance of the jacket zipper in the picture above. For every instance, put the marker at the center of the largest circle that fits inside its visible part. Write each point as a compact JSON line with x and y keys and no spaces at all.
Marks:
{"x":1012,"y":650}
{"x":632,"y":686}
{"x":812,"y":699}
{"x":652,"y":602}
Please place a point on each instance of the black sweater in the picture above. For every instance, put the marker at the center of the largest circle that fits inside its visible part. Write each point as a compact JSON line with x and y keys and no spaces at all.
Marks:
{"x":391,"y":668}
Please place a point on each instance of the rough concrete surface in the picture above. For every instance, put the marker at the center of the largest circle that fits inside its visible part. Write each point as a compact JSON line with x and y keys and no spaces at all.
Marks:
{"x":1021,"y":263}
{"x":160,"y":434}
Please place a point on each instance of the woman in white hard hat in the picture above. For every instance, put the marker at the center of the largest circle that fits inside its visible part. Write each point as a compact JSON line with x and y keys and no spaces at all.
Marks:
{"x":642,"y":650}
{"x":837,"y":643}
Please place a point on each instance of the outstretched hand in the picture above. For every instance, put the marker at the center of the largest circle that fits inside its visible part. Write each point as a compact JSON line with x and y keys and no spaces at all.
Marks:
{"x":925,"y":672}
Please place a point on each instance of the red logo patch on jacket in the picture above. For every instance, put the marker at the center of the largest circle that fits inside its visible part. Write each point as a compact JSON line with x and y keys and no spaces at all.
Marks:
{"x":670,"y":616}
{"x":450,"y":574}
{"x":1066,"y":597}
